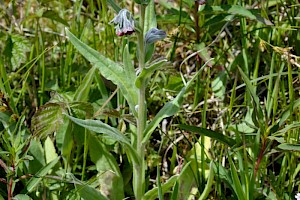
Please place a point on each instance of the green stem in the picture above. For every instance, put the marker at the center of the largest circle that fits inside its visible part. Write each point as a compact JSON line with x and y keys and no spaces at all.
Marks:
{"x":139,"y":168}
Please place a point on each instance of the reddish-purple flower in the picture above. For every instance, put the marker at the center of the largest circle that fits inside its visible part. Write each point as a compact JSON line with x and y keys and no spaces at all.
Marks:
{"x":124,"y":23}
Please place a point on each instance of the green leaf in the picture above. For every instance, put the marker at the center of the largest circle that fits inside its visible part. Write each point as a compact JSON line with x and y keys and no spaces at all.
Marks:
{"x":64,"y":138}
{"x":150,"y":17}
{"x":236,"y":181}
{"x":86,"y":191}
{"x":149,"y":51}
{"x":113,"y":133}
{"x":50,"y":14}
{"x":236,"y":10}
{"x":289,"y":147}
{"x":169,"y":108}
{"x":153,"y":193}
{"x":47,"y":119}
{"x":109,"y":69}
{"x":223,"y":174}
{"x":128,"y":66}
{"x":209,"y":133}
{"x":209,"y":183}
{"x":20,"y":46}
{"x":21,"y":197}
{"x":33,"y":182}
{"x":37,"y":151}
{"x":50,"y":152}
{"x":186,"y":180}
{"x":287,"y":113}
{"x":114,"y":5}
{"x":110,"y":177}
{"x":257,"y":108}
{"x":100,"y":127}
{"x":219,"y":85}
{"x":288,"y":127}
{"x":83,"y":90}
{"x":148,"y":71}
{"x":175,"y":191}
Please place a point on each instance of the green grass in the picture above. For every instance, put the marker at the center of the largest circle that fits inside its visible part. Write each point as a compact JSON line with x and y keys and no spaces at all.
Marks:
{"x":233,"y":133}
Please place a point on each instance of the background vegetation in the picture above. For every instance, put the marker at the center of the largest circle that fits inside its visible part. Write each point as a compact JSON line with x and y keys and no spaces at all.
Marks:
{"x":236,"y":135}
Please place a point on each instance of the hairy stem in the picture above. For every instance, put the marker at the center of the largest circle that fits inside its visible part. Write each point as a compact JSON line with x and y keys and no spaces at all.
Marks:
{"x":139,"y":170}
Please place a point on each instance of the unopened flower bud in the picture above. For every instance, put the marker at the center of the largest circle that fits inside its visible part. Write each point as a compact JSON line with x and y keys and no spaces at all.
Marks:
{"x":154,"y":35}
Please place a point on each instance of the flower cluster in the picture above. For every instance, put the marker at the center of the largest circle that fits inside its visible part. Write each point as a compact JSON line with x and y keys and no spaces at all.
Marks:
{"x":124,"y":23}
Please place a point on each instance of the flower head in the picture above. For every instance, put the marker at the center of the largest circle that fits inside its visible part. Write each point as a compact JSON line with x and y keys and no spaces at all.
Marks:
{"x":124,"y":23}
{"x":297,"y":196}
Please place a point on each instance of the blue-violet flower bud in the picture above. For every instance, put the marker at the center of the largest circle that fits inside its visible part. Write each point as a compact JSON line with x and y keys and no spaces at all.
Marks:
{"x":154,"y":35}
{"x":124,"y":23}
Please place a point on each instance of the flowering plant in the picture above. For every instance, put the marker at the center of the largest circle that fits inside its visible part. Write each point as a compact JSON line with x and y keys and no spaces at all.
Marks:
{"x":147,"y":34}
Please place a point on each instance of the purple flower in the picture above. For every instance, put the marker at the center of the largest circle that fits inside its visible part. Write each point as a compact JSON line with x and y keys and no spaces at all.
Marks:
{"x":124,"y":23}
{"x":154,"y":35}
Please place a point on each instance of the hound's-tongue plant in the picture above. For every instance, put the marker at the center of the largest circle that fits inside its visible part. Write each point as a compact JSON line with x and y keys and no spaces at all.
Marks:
{"x":134,"y":91}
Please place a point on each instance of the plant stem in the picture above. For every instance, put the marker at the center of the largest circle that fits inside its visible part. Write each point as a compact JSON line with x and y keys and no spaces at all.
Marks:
{"x":139,"y":168}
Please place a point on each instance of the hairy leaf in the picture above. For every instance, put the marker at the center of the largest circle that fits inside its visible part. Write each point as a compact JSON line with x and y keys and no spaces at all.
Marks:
{"x":169,"y":108}
{"x":148,"y":71}
{"x":109,"y":69}
{"x":113,"y":133}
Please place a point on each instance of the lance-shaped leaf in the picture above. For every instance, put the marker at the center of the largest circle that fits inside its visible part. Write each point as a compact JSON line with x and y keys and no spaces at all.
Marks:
{"x":289,"y":147}
{"x":113,"y":133}
{"x":237,"y":10}
{"x":128,"y":66}
{"x":257,"y":108}
{"x":109,"y":69}
{"x":170,"y":108}
{"x":148,"y":71}
{"x":86,"y":191}
{"x":83,"y":90}
{"x":34,"y":181}
{"x":166,"y":187}
{"x":209,"y":133}
{"x":150,"y":17}
{"x":114,"y":5}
